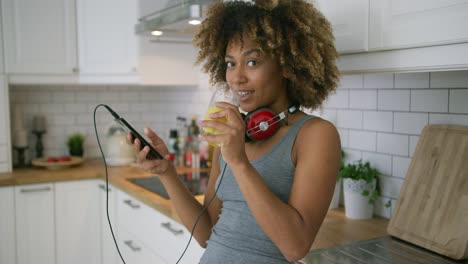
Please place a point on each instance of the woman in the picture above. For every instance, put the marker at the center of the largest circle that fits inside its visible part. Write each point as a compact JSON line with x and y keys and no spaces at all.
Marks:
{"x":274,"y":193}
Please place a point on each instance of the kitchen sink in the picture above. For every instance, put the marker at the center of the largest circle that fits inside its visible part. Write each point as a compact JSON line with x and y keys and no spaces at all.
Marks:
{"x":196,"y":183}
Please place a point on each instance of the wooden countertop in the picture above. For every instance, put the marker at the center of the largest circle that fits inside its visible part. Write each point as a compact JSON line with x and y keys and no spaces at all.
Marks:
{"x":336,"y":229}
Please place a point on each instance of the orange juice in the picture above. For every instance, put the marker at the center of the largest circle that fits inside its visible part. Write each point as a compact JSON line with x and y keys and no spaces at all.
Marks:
{"x":213,"y":109}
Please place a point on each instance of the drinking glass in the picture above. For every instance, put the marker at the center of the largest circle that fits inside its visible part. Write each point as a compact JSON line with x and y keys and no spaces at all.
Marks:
{"x":222,"y":93}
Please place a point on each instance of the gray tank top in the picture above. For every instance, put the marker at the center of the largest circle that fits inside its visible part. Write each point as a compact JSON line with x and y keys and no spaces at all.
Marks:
{"x":236,"y":237}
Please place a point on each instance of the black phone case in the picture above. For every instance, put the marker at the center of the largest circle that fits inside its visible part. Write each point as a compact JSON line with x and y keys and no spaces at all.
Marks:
{"x":152,"y":154}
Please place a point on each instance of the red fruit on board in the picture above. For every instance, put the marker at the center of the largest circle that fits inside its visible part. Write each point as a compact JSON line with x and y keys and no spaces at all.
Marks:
{"x":63,"y":158}
{"x":52,"y":159}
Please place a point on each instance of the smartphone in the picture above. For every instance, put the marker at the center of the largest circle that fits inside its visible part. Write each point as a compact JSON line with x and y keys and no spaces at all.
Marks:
{"x":152,"y":154}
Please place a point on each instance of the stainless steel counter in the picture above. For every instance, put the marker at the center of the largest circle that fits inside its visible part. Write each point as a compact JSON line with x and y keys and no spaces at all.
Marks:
{"x":385,"y":250}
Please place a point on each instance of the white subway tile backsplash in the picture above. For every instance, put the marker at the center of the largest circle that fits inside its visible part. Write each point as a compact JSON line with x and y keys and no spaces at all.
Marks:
{"x":412,"y":80}
{"x":433,"y":100}
{"x":363,"y":99}
{"x":351,"y":81}
{"x":49,"y":88}
{"x":19,"y":97}
{"x":396,"y":100}
{"x":448,"y":119}
{"x":344,"y":137}
{"x":3,"y":138}
{"x":330,"y":115}
{"x":106,"y":97}
{"x":400,"y":166}
{"x":352,"y":155}
{"x":86,"y":97}
{"x":117,"y":88}
{"x":95,"y":88}
{"x":3,"y":153}
{"x":149,"y":96}
{"x":63,"y":97}
{"x":140,"y":107}
{"x":392,"y":144}
{"x":459,"y":101}
{"x":410,"y":123}
{"x":129,"y":96}
{"x":349,"y":119}
{"x":87,"y":130}
{"x":377,"y":81}
{"x":76,"y":108}
{"x":61,"y":119}
{"x":382,"y":162}
{"x":30,"y":109}
{"x":38,"y":96}
{"x":412,"y":145}
{"x":378,"y":121}
{"x":338,"y":100}
{"x":390,"y":186}
{"x":380,"y":208}
{"x":51,"y":108}
{"x":362,"y":140}
{"x":453,"y":79}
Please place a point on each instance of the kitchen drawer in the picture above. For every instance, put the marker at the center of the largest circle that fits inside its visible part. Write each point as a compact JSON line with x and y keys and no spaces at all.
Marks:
{"x":134,"y":251}
{"x":165,"y":236}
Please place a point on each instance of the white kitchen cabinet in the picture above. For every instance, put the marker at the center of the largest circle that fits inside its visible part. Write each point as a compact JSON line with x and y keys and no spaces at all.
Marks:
{"x":164,"y":236}
{"x":350,"y":20}
{"x":7,"y":225}
{"x":70,"y":41}
{"x":77,"y":213}
{"x":404,"y":36}
{"x":396,"y":24}
{"x":5,"y":142}
{"x":109,"y":251}
{"x":35,"y":224}
{"x":40,"y":37}
{"x":107,"y":43}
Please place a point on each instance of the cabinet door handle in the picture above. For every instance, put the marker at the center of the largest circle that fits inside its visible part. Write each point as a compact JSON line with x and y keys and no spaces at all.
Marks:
{"x":41,"y":189}
{"x":103,"y":187}
{"x":175,"y":232}
{"x":129,"y":243}
{"x":75,"y":70}
{"x":129,"y":202}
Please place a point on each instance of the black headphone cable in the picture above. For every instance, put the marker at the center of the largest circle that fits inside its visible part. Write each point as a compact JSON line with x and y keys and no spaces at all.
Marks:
{"x":107,"y":181}
{"x":107,"y":191}
{"x":201,"y":213}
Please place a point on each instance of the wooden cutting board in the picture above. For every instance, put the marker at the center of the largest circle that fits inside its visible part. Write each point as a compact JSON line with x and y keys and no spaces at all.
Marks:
{"x":432,"y":209}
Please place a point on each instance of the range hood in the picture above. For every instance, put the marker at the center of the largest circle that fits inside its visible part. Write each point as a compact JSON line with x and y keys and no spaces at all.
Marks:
{"x":176,"y":22}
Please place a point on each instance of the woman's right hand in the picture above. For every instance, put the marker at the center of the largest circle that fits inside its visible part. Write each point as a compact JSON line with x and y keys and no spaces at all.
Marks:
{"x":160,"y":167}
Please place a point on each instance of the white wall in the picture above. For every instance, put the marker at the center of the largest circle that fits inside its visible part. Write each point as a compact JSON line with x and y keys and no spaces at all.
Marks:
{"x":379,"y":116}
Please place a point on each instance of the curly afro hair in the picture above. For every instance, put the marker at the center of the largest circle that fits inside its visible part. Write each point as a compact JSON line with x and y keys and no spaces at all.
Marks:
{"x":293,"y":32}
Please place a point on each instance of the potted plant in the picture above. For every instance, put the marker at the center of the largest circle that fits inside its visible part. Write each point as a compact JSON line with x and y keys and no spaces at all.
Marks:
{"x":336,"y":194}
{"x":360,"y":189}
{"x":75,"y":144}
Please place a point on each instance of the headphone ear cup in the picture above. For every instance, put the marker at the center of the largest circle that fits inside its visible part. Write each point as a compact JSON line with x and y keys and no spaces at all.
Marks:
{"x":260,"y":124}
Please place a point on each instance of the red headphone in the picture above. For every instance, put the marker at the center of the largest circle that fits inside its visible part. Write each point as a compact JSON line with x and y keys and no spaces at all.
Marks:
{"x":262,"y":123}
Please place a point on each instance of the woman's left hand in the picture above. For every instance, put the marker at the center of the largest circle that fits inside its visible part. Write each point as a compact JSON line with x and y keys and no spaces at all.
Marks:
{"x":231,"y":138}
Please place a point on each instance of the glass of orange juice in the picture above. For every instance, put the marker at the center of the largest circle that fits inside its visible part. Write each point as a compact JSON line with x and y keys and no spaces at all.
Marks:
{"x":222,"y":93}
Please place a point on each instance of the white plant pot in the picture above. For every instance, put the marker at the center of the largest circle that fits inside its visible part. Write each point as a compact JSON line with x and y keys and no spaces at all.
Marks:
{"x":336,"y":195}
{"x":357,"y":206}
